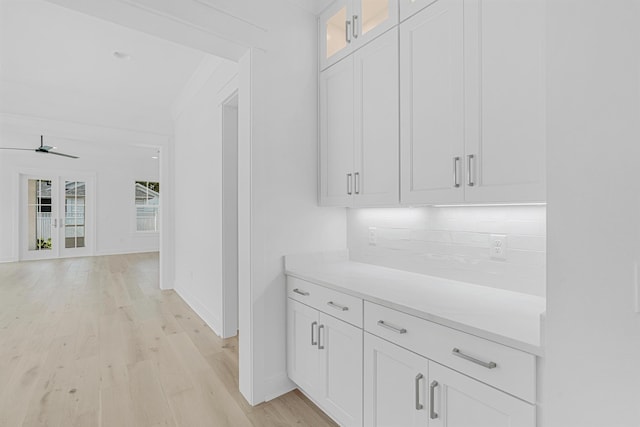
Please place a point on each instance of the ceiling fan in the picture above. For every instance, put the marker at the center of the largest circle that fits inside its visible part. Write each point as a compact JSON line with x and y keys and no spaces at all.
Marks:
{"x":42,"y":149}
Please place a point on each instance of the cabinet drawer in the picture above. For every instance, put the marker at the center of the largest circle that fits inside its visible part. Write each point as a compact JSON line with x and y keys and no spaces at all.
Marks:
{"x":503,"y":367}
{"x":342,"y":306}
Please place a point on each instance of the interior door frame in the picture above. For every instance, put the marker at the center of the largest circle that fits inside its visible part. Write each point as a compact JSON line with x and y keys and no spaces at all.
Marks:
{"x":57,"y":177}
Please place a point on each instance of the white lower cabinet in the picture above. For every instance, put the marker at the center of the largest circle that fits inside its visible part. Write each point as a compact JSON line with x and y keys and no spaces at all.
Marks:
{"x":460,"y":401}
{"x":324,"y":358}
{"x":369,"y":365}
{"x":402,"y":388}
{"x":394,"y":385}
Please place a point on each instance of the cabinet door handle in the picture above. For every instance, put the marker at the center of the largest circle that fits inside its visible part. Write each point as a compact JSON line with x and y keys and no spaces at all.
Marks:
{"x":470,"y":171}
{"x":337,"y":306}
{"x":357,"y":182}
{"x":432,"y":400}
{"x":419,"y":405}
{"x":320,"y":346}
{"x":488,"y":365}
{"x":347,"y":31}
{"x":349,"y":177}
{"x":355,"y":27}
{"x":391,"y":327}
{"x":456,"y":175}
{"x":313,"y":327}
{"x":299,"y":292}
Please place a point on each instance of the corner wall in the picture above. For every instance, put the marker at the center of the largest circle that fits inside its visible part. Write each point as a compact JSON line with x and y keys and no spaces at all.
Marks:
{"x":198,"y":189}
{"x":592,"y":331}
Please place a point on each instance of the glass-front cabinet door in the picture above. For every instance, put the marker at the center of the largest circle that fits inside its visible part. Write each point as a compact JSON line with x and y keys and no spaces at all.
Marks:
{"x":336,"y":32}
{"x":348,"y":24}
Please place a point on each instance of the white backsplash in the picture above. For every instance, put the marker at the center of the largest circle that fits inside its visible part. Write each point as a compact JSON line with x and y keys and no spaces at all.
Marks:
{"x":453,"y":242}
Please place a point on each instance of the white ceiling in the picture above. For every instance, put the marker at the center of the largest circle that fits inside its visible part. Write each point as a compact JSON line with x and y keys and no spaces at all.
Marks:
{"x":56,"y":63}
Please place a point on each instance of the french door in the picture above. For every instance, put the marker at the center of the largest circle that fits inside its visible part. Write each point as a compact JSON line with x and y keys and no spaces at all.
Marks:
{"x":56,"y":216}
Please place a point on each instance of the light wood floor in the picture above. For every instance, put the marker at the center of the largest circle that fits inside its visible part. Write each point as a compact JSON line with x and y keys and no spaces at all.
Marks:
{"x":93,"y":342}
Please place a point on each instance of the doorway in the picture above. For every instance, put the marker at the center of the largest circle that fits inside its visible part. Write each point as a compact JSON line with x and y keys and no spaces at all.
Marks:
{"x":56,"y":216}
{"x":230,"y":216}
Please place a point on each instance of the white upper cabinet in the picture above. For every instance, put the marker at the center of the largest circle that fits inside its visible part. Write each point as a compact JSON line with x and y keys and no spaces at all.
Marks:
{"x":349,"y":24}
{"x":336,"y":134}
{"x":432,"y":104}
{"x":460,"y":401}
{"x":505,"y":100}
{"x":411,"y":7}
{"x":473,"y":102}
{"x":359,"y":163}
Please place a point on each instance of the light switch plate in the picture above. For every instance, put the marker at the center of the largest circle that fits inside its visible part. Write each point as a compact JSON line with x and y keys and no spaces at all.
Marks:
{"x":498,"y":247}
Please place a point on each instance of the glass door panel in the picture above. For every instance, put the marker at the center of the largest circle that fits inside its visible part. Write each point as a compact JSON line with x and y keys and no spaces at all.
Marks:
{"x":74,"y":214}
{"x":39,"y":207}
{"x":335,"y":30}
{"x":374,"y":13}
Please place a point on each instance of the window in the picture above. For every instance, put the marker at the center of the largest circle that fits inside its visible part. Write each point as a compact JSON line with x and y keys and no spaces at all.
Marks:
{"x":147,"y":205}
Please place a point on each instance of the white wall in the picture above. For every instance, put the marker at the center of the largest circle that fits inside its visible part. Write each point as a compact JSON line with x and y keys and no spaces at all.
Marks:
{"x":198,"y":189}
{"x":115,"y":172}
{"x":453,"y":242}
{"x":592,"y":334}
{"x":278,"y":156}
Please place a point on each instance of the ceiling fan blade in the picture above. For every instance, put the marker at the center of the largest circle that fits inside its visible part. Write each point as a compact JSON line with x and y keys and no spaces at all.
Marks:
{"x":11,"y":148}
{"x":61,"y":154}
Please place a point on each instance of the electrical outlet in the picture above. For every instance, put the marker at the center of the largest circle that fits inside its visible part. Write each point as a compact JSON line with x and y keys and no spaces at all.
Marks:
{"x":498,"y":247}
{"x":373,"y":236}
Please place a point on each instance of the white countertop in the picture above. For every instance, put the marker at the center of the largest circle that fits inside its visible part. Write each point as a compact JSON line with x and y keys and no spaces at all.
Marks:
{"x":506,"y":317}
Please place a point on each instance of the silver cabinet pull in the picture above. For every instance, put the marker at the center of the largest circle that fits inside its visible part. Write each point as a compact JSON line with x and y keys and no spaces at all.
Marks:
{"x":432,"y":400}
{"x":55,"y":222}
{"x":419,"y":405}
{"x":347,"y":31}
{"x":488,"y":365}
{"x":391,"y":327}
{"x":456,"y":165}
{"x":320,"y":346}
{"x":357,"y":182}
{"x":299,"y":292}
{"x":313,"y":327}
{"x":470,"y":171}
{"x":337,"y":306}
{"x":355,"y":28}
{"x":349,"y":176}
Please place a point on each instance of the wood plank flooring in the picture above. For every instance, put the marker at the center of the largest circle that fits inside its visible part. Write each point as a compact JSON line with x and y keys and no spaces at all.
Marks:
{"x":94,"y":342}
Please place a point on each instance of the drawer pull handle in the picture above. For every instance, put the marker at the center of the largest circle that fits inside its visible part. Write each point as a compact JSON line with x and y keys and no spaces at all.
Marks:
{"x":432,"y":400}
{"x":299,"y":292}
{"x":320,"y":345}
{"x":313,"y":328}
{"x":391,"y":327}
{"x":488,"y":365}
{"x":337,"y":306}
{"x":419,"y":405}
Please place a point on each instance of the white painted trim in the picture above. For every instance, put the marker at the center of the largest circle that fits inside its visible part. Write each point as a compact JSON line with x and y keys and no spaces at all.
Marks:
{"x":127,"y":252}
{"x":83,"y":131}
{"x":277,"y":385}
{"x":201,"y":310}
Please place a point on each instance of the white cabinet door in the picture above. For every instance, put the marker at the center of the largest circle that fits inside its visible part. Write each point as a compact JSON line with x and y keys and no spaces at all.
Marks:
{"x":303,"y":357}
{"x":372,"y":18}
{"x":336,"y":32}
{"x":394,"y":385}
{"x":432,"y":104}
{"x":336,"y":134}
{"x":340,"y":350}
{"x":460,"y":401}
{"x":376,"y":168}
{"x":505,"y":100}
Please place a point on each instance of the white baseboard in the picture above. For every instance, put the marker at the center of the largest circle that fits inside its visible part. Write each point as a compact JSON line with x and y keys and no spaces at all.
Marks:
{"x":205,"y":314}
{"x":125,"y":252}
{"x":277,"y":385}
